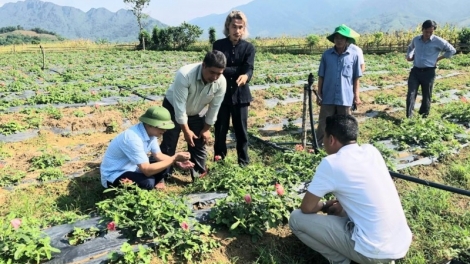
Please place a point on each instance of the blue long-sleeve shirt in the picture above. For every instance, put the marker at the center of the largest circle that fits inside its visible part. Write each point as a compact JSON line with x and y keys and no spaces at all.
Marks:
{"x":426,"y":53}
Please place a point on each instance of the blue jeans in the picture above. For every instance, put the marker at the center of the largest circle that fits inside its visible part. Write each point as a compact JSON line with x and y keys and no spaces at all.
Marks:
{"x":424,"y":77}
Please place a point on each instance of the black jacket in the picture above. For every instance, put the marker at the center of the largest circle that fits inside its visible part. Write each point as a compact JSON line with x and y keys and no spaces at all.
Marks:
{"x":240,"y":60}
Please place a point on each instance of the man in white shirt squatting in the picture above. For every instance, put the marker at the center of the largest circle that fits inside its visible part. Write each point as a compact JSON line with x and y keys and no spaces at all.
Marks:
{"x":366,"y":222}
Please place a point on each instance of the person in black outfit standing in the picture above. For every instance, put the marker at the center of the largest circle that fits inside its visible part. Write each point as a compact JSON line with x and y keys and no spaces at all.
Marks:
{"x":240,"y":56}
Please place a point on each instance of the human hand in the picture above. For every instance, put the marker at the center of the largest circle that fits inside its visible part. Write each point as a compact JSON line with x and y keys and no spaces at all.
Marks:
{"x":410,"y":59}
{"x":185,"y":165}
{"x":242,"y":79}
{"x":189,"y":136}
{"x":335,"y":209}
{"x":357,"y":100}
{"x":182,"y":156}
{"x":319,"y":99}
{"x":205,"y":136}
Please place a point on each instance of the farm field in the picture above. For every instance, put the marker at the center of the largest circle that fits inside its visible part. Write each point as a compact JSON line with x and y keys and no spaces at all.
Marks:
{"x":55,"y":125}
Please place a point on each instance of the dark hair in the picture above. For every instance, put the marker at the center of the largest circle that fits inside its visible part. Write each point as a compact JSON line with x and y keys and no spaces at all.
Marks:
{"x":343,"y":127}
{"x":429,"y":23}
{"x":215,"y":58}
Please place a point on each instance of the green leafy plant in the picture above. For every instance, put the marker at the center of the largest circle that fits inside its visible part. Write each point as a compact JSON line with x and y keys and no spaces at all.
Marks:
{"x":9,"y":176}
{"x":80,"y":235}
{"x":21,"y":241}
{"x":46,"y":160}
{"x":146,"y":214}
{"x":51,"y":174}
{"x":129,"y":256}
{"x":253,"y":211}
{"x":11,"y":127}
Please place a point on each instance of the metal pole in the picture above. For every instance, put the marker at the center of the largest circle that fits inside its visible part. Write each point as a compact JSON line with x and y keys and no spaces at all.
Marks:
{"x":312,"y":123}
{"x":304,"y":118}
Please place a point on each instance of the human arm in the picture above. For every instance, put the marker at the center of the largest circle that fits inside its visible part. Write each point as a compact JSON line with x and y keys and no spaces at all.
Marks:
{"x":320,"y":86}
{"x":312,"y":204}
{"x":448,"y":50}
{"x":216,"y":102}
{"x":321,"y":74}
{"x":410,"y":51}
{"x":181,"y":87}
{"x":357,"y":99}
{"x":357,"y":73}
{"x":163,"y":162}
{"x":245,"y":71}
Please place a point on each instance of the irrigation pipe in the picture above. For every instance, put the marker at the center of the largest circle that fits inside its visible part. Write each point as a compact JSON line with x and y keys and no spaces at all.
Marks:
{"x":393,"y":174}
{"x":136,"y":93}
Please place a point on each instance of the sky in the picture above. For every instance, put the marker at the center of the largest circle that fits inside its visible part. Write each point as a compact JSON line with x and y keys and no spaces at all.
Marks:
{"x":171,"y":12}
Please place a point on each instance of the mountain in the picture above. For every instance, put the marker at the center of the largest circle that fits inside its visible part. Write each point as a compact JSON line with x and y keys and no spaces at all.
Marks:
{"x":72,"y":23}
{"x":274,"y":18}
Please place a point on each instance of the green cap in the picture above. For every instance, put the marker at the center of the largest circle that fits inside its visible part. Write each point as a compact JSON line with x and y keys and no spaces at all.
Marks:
{"x":157,"y":116}
{"x":346,"y":32}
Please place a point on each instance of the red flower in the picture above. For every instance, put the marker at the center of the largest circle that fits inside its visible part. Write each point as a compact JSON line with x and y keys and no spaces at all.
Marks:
{"x":15,"y":223}
{"x":111,"y":226}
{"x":185,"y":226}
{"x":463,"y":99}
{"x":217,"y":158}
{"x":248,"y":198}
{"x":279,"y":189}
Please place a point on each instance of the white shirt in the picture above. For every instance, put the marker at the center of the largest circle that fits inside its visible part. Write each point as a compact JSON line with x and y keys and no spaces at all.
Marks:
{"x":359,"y":52}
{"x":189,"y":95}
{"x":358,"y":177}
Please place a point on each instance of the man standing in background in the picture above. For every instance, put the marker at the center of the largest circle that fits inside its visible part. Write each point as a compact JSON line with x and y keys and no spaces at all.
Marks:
{"x":424,"y":51}
{"x":338,"y":78}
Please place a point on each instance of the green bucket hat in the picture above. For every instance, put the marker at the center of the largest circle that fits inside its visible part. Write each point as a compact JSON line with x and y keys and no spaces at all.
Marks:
{"x":346,"y":32}
{"x":157,"y":116}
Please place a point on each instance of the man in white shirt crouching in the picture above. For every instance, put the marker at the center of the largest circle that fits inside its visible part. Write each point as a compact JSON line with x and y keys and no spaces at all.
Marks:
{"x":366,"y":222}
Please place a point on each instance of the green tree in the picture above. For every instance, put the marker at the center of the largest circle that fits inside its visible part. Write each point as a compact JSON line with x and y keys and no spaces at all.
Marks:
{"x":137,"y":10}
{"x":144,"y":37}
{"x":212,"y":37}
{"x":312,"y":40}
{"x":186,"y":34}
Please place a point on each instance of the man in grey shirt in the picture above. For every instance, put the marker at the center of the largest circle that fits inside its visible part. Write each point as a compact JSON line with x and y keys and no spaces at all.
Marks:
{"x":425,"y":52}
{"x":197,"y":87}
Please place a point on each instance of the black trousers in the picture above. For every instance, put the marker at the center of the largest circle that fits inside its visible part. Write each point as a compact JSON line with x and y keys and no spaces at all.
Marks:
{"x":144,"y":182}
{"x":170,"y":140}
{"x":140,"y":179}
{"x":424,"y":77}
{"x":239,"y":115}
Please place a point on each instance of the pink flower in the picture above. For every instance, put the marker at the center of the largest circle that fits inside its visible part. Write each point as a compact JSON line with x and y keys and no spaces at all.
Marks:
{"x":217,"y":158}
{"x":93,"y":92}
{"x":279,"y":189}
{"x":185,"y":226}
{"x":299,"y":147}
{"x":248,"y":198}
{"x":15,"y":223}
{"x":311,"y":151}
{"x":111,"y":226}
{"x":126,"y":181}
{"x":463,"y":99}
{"x":97,"y":106}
